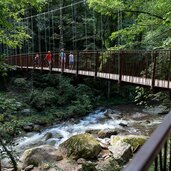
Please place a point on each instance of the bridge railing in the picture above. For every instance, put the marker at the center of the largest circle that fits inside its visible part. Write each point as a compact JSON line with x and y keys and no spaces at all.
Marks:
{"x":153,"y":67}
{"x":155,"y":154}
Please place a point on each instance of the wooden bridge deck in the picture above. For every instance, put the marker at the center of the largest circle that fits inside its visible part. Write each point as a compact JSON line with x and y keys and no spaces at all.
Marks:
{"x":109,"y":76}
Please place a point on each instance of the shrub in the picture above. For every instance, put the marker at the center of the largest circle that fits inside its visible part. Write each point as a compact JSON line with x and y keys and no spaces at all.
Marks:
{"x":21,"y":83}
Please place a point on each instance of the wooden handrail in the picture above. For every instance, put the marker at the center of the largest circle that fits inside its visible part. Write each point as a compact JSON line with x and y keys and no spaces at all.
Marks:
{"x":149,"y":151}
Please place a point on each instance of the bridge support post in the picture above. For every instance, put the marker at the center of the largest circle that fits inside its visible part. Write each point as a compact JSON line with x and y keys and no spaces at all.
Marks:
{"x":108,"y":88}
{"x":41,"y":57}
{"x":96,"y":62}
{"x":27,"y":61}
{"x":120,"y":67}
{"x":77,"y":64}
{"x":153,"y":71}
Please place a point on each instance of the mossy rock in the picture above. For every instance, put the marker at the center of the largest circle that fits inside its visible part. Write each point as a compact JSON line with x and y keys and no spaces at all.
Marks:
{"x":88,"y":167}
{"x":134,"y":140}
{"x":81,"y":146}
{"x":35,"y":156}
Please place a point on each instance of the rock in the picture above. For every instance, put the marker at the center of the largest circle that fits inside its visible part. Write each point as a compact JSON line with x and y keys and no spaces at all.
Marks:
{"x":134,"y":140}
{"x":103,"y":146}
{"x":37,"y":128}
{"x":92,"y":131}
{"x":52,"y":169}
{"x":36,"y":169}
{"x":123,"y":124}
{"x":88,"y":167}
{"x":58,"y":135}
{"x":51,"y":142}
{"x":121,"y":151}
{"x":81,"y":161}
{"x":28,"y":168}
{"x":109,"y":164}
{"x":36,"y":155}
{"x":81,"y":146}
{"x":47,"y":136}
{"x":104,"y":153}
{"x":107,"y":133}
{"x":107,"y":112}
{"x":26,"y":112}
{"x":139,"y":116}
{"x":28,"y":128}
{"x":6,"y":163}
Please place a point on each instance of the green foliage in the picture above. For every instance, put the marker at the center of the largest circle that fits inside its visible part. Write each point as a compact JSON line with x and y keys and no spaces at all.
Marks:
{"x":21,"y":83}
{"x":145,"y":24}
{"x":9,"y":106}
{"x":4,"y":68}
{"x":12,"y":10}
{"x":142,"y":95}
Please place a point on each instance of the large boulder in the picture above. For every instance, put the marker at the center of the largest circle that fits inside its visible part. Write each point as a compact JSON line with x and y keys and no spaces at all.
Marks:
{"x":107,"y":133}
{"x":81,"y":146}
{"x":134,"y":140}
{"x":121,"y":151}
{"x":35,"y":156}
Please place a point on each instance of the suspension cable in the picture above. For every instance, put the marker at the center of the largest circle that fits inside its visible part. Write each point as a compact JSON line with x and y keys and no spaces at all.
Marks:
{"x":58,"y":9}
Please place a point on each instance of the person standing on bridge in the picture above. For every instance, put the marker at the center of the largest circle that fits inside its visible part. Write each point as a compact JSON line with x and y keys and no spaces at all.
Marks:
{"x":48,"y":57}
{"x":71,"y":60}
{"x":37,"y":60}
{"x":62,"y":58}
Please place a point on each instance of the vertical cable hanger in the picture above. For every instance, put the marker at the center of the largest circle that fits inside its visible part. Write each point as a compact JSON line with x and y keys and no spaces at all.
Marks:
{"x":53,"y":39}
{"x":73,"y":35}
{"x":32,"y":30}
{"x":101,"y":28}
{"x":45,"y":38}
{"x":73,"y":27}
{"x":61,"y":26}
{"x":49,"y":28}
{"x":39,"y":38}
{"x":85,"y":23}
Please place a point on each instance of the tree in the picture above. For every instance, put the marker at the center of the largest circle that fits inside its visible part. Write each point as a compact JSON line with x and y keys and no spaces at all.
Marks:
{"x":12,"y":12}
{"x":145,"y":24}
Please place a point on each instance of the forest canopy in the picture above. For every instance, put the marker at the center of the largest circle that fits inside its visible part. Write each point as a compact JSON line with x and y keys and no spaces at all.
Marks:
{"x":144,"y":24}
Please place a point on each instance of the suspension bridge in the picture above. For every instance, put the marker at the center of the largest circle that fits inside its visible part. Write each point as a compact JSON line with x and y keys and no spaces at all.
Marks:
{"x":76,"y":28}
{"x":143,"y":68}
{"x":83,"y":35}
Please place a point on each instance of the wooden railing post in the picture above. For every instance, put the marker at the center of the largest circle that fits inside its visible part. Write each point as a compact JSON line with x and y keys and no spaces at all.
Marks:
{"x":42,"y":60}
{"x":77,"y":64}
{"x":96,"y":64}
{"x":21,"y":62}
{"x":153,"y":70}
{"x":146,"y":65}
{"x":27,"y":61}
{"x":120,"y":66}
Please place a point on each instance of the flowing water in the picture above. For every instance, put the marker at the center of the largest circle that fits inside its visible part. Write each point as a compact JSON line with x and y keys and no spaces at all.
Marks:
{"x":126,"y":119}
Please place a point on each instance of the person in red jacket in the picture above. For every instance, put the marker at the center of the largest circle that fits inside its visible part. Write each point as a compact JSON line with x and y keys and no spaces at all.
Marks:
{"x":48,"y":57}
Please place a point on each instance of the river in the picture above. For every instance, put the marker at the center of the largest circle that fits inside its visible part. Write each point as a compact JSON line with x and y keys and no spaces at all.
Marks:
{"x":127,"y":119}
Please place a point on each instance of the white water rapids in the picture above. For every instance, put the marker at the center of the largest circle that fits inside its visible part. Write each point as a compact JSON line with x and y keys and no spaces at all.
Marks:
{"x":94,"y":121}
